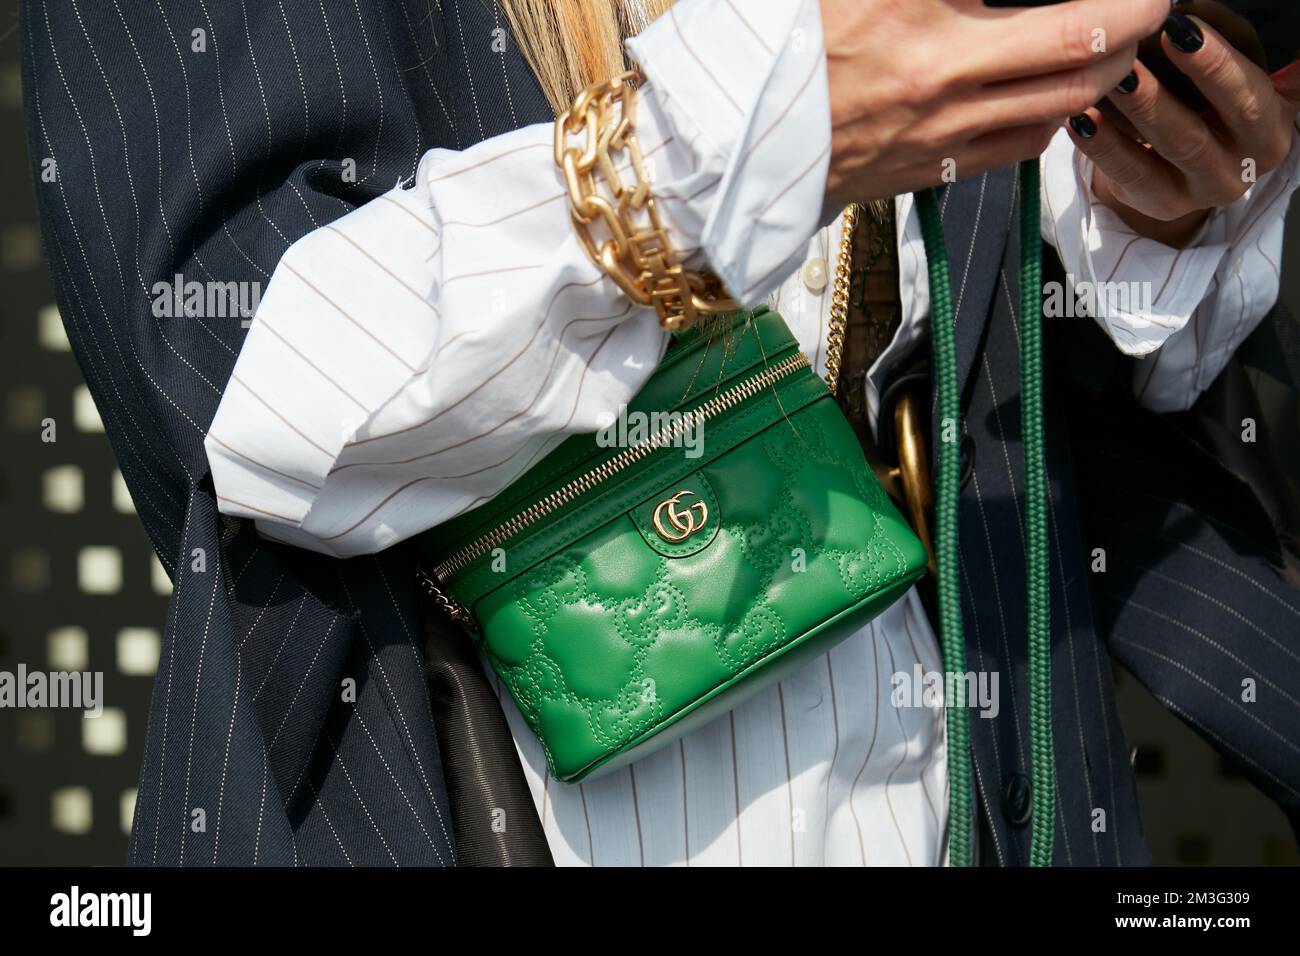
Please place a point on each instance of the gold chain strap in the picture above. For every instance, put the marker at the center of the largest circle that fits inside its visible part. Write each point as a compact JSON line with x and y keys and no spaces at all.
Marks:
{"x":840,"y":299}
{"x":636,"y":253}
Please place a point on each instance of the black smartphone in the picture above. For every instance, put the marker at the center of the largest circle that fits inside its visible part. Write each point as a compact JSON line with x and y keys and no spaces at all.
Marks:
{"x":1267,"y":31}
{"x":1275,"y":22}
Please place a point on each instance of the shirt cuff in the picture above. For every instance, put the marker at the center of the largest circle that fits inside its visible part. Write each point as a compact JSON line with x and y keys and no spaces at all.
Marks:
{"x":1139,"y":290}
{"x":326,"y":329}
{"x":745,"y":85}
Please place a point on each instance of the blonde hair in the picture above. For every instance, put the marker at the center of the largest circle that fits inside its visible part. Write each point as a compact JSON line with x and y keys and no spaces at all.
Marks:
{"x":571,"y":44}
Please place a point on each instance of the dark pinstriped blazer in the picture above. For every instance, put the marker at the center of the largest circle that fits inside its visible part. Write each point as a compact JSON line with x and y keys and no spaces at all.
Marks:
{"x":1193,"y":599}
{"x":202,"y":138}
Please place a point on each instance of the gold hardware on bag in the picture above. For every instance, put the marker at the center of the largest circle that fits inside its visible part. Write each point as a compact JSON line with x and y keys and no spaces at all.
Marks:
{"x":637,"y":255}
{"x":683,"y":526}
{"x":913,"y":472}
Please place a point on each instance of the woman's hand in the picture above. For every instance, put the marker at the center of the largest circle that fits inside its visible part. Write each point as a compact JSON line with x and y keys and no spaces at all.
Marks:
{"x":927,"y":90}
{"x":1165,"y":187}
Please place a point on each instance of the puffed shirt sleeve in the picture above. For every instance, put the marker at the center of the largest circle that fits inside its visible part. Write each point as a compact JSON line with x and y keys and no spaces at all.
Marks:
{"x":1181,"y":312}
{"x":412,"y":358}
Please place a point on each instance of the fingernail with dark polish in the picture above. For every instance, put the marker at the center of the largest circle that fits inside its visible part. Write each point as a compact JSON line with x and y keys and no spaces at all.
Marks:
{"x":1083,"y":125}
{"x":1184,"y":33}
{"x":1129,"y":83}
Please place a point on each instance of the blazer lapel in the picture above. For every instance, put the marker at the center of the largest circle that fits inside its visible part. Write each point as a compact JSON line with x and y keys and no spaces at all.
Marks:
{"x":977,"y":221}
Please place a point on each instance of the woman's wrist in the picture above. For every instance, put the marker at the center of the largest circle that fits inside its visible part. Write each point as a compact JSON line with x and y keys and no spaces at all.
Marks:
{"x":1175,"y":233}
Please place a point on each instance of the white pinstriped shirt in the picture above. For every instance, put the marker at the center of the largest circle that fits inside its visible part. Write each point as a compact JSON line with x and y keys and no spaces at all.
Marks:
{"x":409,"y":360}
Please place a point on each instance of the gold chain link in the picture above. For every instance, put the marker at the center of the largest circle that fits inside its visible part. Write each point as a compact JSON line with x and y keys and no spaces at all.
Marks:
{"x":840,"y":299}
{"x":636,"y":251}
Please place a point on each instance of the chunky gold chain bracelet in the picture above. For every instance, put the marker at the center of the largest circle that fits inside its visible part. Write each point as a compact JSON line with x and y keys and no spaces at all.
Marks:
{"x":635,"y":250}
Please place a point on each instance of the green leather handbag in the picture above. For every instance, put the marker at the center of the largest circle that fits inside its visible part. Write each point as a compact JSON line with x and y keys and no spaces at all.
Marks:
{"x":626,"y":595}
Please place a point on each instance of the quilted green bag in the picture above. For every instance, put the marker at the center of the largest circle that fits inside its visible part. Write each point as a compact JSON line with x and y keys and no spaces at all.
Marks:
{"x":626,"y":595}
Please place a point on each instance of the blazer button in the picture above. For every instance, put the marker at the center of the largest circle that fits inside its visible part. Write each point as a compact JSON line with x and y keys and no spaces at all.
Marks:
{"x":967,"y":459}
{"x":1017,"y":800}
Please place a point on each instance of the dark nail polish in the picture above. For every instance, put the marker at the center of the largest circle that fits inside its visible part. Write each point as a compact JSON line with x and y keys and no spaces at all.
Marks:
{"x":1083,"y":125}
{"x":1129,"y":83}
{"x":1184,"y":33}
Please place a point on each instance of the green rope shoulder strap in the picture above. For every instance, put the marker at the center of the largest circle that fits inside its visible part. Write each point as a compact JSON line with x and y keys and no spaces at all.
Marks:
{"x":1043,"y":772}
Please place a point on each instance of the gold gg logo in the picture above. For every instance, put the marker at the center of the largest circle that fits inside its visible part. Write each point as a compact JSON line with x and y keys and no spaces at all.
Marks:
{"x":681,"y":524}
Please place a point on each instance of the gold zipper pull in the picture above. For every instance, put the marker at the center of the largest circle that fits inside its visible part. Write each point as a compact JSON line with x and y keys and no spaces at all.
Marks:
{"x":445,"y":602}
